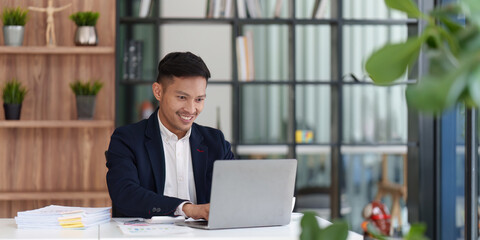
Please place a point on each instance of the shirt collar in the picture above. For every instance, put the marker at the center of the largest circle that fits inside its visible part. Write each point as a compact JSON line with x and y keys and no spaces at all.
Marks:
{"x":168,"y":135}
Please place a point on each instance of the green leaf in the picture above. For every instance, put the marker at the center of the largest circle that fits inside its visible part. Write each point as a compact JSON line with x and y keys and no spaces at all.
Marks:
{"x":436,"y":93}
{"x":406,"y":6}
{"x":452,"y":41}
{"x":471,"y":9}
{"x":374,"y":232}
{"x":310,"y":228}
{"x":417,"y":232}
{"x":440,"y":63}
{"x":469,"y":39}
{"x":86,"y":88}
{"x":13,"y":92}
{"x":392,"y":60}
{"x":474,"y":87}
{"x":85,"y":18}
{"x":14,"y":16}
{"x":452,"y":26}
{"x":446,"y":10}
{"x":337,"y":231}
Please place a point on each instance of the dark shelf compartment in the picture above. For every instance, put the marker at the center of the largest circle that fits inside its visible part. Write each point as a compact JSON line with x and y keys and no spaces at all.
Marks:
{"x":265,"y":21}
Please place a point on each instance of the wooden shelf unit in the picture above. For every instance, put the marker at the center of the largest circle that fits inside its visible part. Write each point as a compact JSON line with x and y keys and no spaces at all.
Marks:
{"x":57,"y":124}
{"x":16,"y":196}
{"x":56,"y":50}
{"x":47,"y":157}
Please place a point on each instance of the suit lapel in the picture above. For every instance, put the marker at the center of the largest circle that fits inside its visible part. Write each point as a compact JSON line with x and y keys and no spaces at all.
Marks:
{"x":199,"y":162}
{"x":154,"y":146}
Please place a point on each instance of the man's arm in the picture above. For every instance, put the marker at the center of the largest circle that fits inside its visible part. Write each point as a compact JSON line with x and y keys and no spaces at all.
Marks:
{"x":123,"y":180}
{"x":226,"y":148}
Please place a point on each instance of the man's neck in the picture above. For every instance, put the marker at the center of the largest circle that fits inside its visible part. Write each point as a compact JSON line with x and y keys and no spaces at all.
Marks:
{"x":179,"y":134}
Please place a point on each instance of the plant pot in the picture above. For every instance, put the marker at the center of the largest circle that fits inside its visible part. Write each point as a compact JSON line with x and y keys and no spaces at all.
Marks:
{"x":12,"y":111}
{"x":85,"y":107}
{"x":13,"y":35}
{"x":86,"y":36}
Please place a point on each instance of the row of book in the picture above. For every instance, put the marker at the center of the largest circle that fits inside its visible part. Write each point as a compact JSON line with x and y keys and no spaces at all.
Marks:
{"x":253,"y":9}
{"x":59,"y":217}
{"x":245,"y":8}
{"x":245,"y":58}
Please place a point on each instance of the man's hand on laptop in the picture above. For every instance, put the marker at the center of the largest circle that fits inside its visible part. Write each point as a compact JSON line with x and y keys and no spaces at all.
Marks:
{"x":197,"y":211}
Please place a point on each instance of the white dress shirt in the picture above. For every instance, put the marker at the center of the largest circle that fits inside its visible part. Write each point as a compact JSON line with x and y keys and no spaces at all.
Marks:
{"x":179,"y":181}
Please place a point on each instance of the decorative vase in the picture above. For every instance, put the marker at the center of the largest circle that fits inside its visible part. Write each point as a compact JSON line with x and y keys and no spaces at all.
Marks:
{"x":85,"y":107}
{"x":13,"y":35}
{"x":12,"y":111}
{"x":86,"y":36}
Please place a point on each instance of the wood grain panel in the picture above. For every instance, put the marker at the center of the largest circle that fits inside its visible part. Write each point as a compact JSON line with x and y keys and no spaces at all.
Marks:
{"x":64,"y":27}
{"x":68,"y":158}
{"x":54,"y":159}
{"x":47,"y":78}
{"x":57,"y":124}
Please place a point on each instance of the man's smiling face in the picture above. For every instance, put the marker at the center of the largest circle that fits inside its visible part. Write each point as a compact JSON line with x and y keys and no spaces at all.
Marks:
{"x":180,"y":102}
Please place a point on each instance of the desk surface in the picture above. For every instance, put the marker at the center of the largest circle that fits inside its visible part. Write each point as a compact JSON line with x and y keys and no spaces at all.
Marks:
{"x":110,"y":231}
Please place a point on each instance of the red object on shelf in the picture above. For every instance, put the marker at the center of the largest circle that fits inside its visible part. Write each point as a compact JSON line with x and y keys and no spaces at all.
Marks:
{"x":378,"y":214}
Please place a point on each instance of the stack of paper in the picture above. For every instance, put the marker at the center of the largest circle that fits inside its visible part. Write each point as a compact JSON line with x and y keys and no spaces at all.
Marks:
{"x":58,"y":217}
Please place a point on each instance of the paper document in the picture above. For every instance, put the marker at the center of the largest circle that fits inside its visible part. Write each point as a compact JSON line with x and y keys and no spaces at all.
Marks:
{"x":153,"y":229}
{"x":58,"y":217}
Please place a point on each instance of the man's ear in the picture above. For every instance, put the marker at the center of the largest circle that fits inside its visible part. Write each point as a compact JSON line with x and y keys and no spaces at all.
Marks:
{"x":157,"y":90}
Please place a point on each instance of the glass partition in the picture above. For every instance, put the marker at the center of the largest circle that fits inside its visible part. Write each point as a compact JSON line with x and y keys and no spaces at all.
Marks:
{"x":369,"y":9}
{"x":264,"y":114}
{"x":270,"y":51}
{"x":374,"y":114}
{"x":313,"y":53}
{"x":313,"y":114}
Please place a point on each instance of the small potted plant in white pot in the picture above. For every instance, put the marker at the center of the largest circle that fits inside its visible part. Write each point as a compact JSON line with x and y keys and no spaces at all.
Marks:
{"x":13,"y":95}
{"x":85,"y":93}
{"x":14,"y":20}
{"x":86,"y":33}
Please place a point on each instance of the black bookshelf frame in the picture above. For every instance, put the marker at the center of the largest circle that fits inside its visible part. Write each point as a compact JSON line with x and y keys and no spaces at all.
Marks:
{"x":336,"y":82}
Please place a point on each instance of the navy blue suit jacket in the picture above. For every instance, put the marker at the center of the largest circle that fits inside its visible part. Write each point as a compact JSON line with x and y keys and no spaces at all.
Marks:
{"x":136,"y":167}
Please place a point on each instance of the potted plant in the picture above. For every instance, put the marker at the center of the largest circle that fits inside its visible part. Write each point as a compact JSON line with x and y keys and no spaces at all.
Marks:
{"x":85,"y":93}
{"x":453,"y":53}
{"x":14,"y":20}
{"x":86,"y":33}
{"x":13,"y":95}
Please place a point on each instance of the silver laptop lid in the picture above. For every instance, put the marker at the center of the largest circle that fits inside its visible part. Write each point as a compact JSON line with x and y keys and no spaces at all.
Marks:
{"x":252,"y":193}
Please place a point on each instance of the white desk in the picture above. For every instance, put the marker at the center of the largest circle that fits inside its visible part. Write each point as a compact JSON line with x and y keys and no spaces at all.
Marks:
{"x":110,"y":231}
{"x":8,"y":230}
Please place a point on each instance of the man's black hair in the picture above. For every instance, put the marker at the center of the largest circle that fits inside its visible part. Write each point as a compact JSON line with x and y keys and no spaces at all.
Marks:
{"x":181,"y":64}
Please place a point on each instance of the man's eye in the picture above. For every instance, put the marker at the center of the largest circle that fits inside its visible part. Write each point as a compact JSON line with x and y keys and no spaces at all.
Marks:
{"x":200,"y":99}
{"x":182,"y":97}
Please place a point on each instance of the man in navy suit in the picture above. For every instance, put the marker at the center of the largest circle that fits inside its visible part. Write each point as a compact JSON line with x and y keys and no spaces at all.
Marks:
{"x":163,"y":165}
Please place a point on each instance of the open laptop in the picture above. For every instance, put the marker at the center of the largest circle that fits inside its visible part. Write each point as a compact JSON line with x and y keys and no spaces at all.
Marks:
{"x":250,"y":193}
